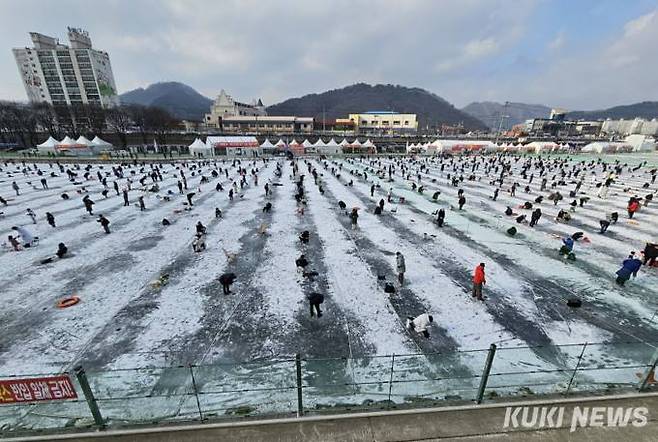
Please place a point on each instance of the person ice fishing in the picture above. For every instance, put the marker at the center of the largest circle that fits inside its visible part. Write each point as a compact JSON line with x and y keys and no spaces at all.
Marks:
{"x":51,"y":219}
{"x":400,"y":266}
{"x":567,"y":247}
{"x":462,"y":201}
{"x":226,"y":280}
{"x":301,"y":262}
{"x":354,"y":216}
{"x":25,"y":235}
{"x":104,"y":222}
{"x":372,"y":190}
{"x":62,"y":250}
{"x":420,"y":324}
{"x":126,"y":202}
{"x":630,"y":266}
{"x":633,"y":206}
{"x":479,"y":280}
{"x":314,"y":300}
{"x":440,"y":217}
{"x":88,"y":204}
{"x":32,"y":215}
{"x":189,"y":198}
{"x":534,"y":218}
{"x":14,"y":243}
{"x":142,"y":206}
{"x":200,"y":228}
{"x":15,"y":187}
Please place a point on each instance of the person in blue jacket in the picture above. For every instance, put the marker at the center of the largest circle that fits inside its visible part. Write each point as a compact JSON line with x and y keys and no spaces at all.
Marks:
{"x":567,"y":247}
{"x":629,"y":267}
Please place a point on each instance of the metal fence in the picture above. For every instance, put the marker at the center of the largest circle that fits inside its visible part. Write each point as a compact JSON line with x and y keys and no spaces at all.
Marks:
{"x":302,"y":386}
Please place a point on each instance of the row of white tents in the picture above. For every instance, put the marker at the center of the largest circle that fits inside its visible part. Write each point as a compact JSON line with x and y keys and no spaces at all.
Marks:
{"x":81,"y":146}
{"x":630,"y":144}
{"x":249,"y":146}
{"x":459,"y":146}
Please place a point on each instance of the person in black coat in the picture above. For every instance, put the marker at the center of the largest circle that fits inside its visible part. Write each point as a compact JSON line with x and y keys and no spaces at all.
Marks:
{"x":301,"y":262}
{"x":314,"y":300}
{"x":534,"y":218}
{"x":104,"y":222}
{"x":226,"y":280}
{"x":440,"y":217}
{"x":61,"y":250}
{"x":200,"y":228}
{"x":51,"y":219}
{"x":88,"y":204}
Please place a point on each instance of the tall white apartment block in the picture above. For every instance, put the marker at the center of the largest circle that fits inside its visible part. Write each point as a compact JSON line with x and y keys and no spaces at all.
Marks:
{"x":66,"y":75}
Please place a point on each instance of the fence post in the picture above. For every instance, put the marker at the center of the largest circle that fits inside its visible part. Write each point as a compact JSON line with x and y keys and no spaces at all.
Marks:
{"x":485,"y":373}
{"x":196,"y":393}
{"x":573,"y":375}
{"x":300,"y":405}
{"x":89,"y":395}
{"x":649,"y":375}
{"x":390,"y":381}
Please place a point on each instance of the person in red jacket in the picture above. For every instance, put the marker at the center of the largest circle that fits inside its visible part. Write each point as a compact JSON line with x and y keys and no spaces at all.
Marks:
{"x":633,"y":207}
{"x":478,"y":281}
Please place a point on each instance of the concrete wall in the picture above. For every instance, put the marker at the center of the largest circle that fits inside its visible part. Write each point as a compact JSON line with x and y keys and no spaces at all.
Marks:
{"x":450,"y":423}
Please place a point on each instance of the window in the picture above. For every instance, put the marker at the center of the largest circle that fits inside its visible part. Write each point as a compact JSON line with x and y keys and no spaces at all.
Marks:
{"x":406,"y":123}
{"x":396,"y":123}
{"x":385,"y":123}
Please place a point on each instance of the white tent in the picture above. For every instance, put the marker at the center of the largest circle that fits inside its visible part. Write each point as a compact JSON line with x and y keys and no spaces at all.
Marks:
{"x":344,"y":142}
{"x":83,"y":141}
{"x":50,"y":145}
{"x":330,"y":148}
{"x":307,"y":143}
{"x":267,"y":144}
{"x":245,"y":146}
{"x":607,"y":147}
{"x":100,"y":143}
{"x":280,"y":143}
{"x":355,"y":143}
{"x":68,"y":142}
{"x":541,"y":146}
{"x":370,"y":145}
{"x":641,"y":143}
{"x":200,"y":149}
{"x":69,"y":145}
{"x":319,"y":143}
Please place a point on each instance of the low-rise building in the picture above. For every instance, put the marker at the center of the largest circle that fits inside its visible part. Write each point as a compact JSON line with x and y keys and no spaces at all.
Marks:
{"x":225,"y":106}
{"x":267,"y":125}
{"x":384,"y":123}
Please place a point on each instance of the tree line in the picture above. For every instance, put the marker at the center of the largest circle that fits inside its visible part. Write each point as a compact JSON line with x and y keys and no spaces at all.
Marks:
{"x":25,"y":125}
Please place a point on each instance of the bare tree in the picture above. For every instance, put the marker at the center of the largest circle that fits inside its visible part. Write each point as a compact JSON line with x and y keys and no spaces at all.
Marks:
{"x":119,"y":122}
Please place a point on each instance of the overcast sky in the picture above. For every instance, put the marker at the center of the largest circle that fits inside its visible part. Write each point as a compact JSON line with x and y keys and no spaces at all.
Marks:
{"x":578,"y":54}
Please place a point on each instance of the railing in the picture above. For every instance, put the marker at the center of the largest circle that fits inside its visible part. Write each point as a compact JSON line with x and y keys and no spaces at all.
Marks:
{"x":302,"y":386}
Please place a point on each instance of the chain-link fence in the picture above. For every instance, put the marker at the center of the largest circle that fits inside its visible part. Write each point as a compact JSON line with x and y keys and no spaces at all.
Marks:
{"x":301,"y":386}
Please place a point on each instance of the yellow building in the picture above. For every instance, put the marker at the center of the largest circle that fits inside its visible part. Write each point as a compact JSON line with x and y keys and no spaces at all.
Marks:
{"x":385,"y":122}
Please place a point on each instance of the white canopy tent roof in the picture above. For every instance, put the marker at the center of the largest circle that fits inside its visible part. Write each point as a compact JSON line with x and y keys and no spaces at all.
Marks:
{"x":267,"y":144}
{"x":332,"y":143}
{"x":356,"y":143}
{"x":280,"y":143}
{"x":307,"y":143}
{"x":83,"y":141}
{"x":98,"y":142}
{"x":198,"y":147}
{"x":68,"y":142}
{"x":368,"y":143}
{"x":50,"y":142}
{"x":319,"y":143}
{"x":344,"y":142}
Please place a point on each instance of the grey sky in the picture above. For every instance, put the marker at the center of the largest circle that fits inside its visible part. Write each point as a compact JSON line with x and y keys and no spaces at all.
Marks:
{"x":576,"y":54}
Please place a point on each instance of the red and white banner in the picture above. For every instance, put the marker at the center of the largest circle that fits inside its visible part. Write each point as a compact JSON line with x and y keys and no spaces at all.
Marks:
{"x":36,"y":389}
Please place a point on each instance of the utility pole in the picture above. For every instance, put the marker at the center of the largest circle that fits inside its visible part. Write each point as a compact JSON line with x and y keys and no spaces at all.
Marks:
{"x":500,"y":125}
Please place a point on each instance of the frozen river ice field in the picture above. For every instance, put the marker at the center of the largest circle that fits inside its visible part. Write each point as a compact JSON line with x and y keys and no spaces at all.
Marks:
{"x":127,"y":320}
